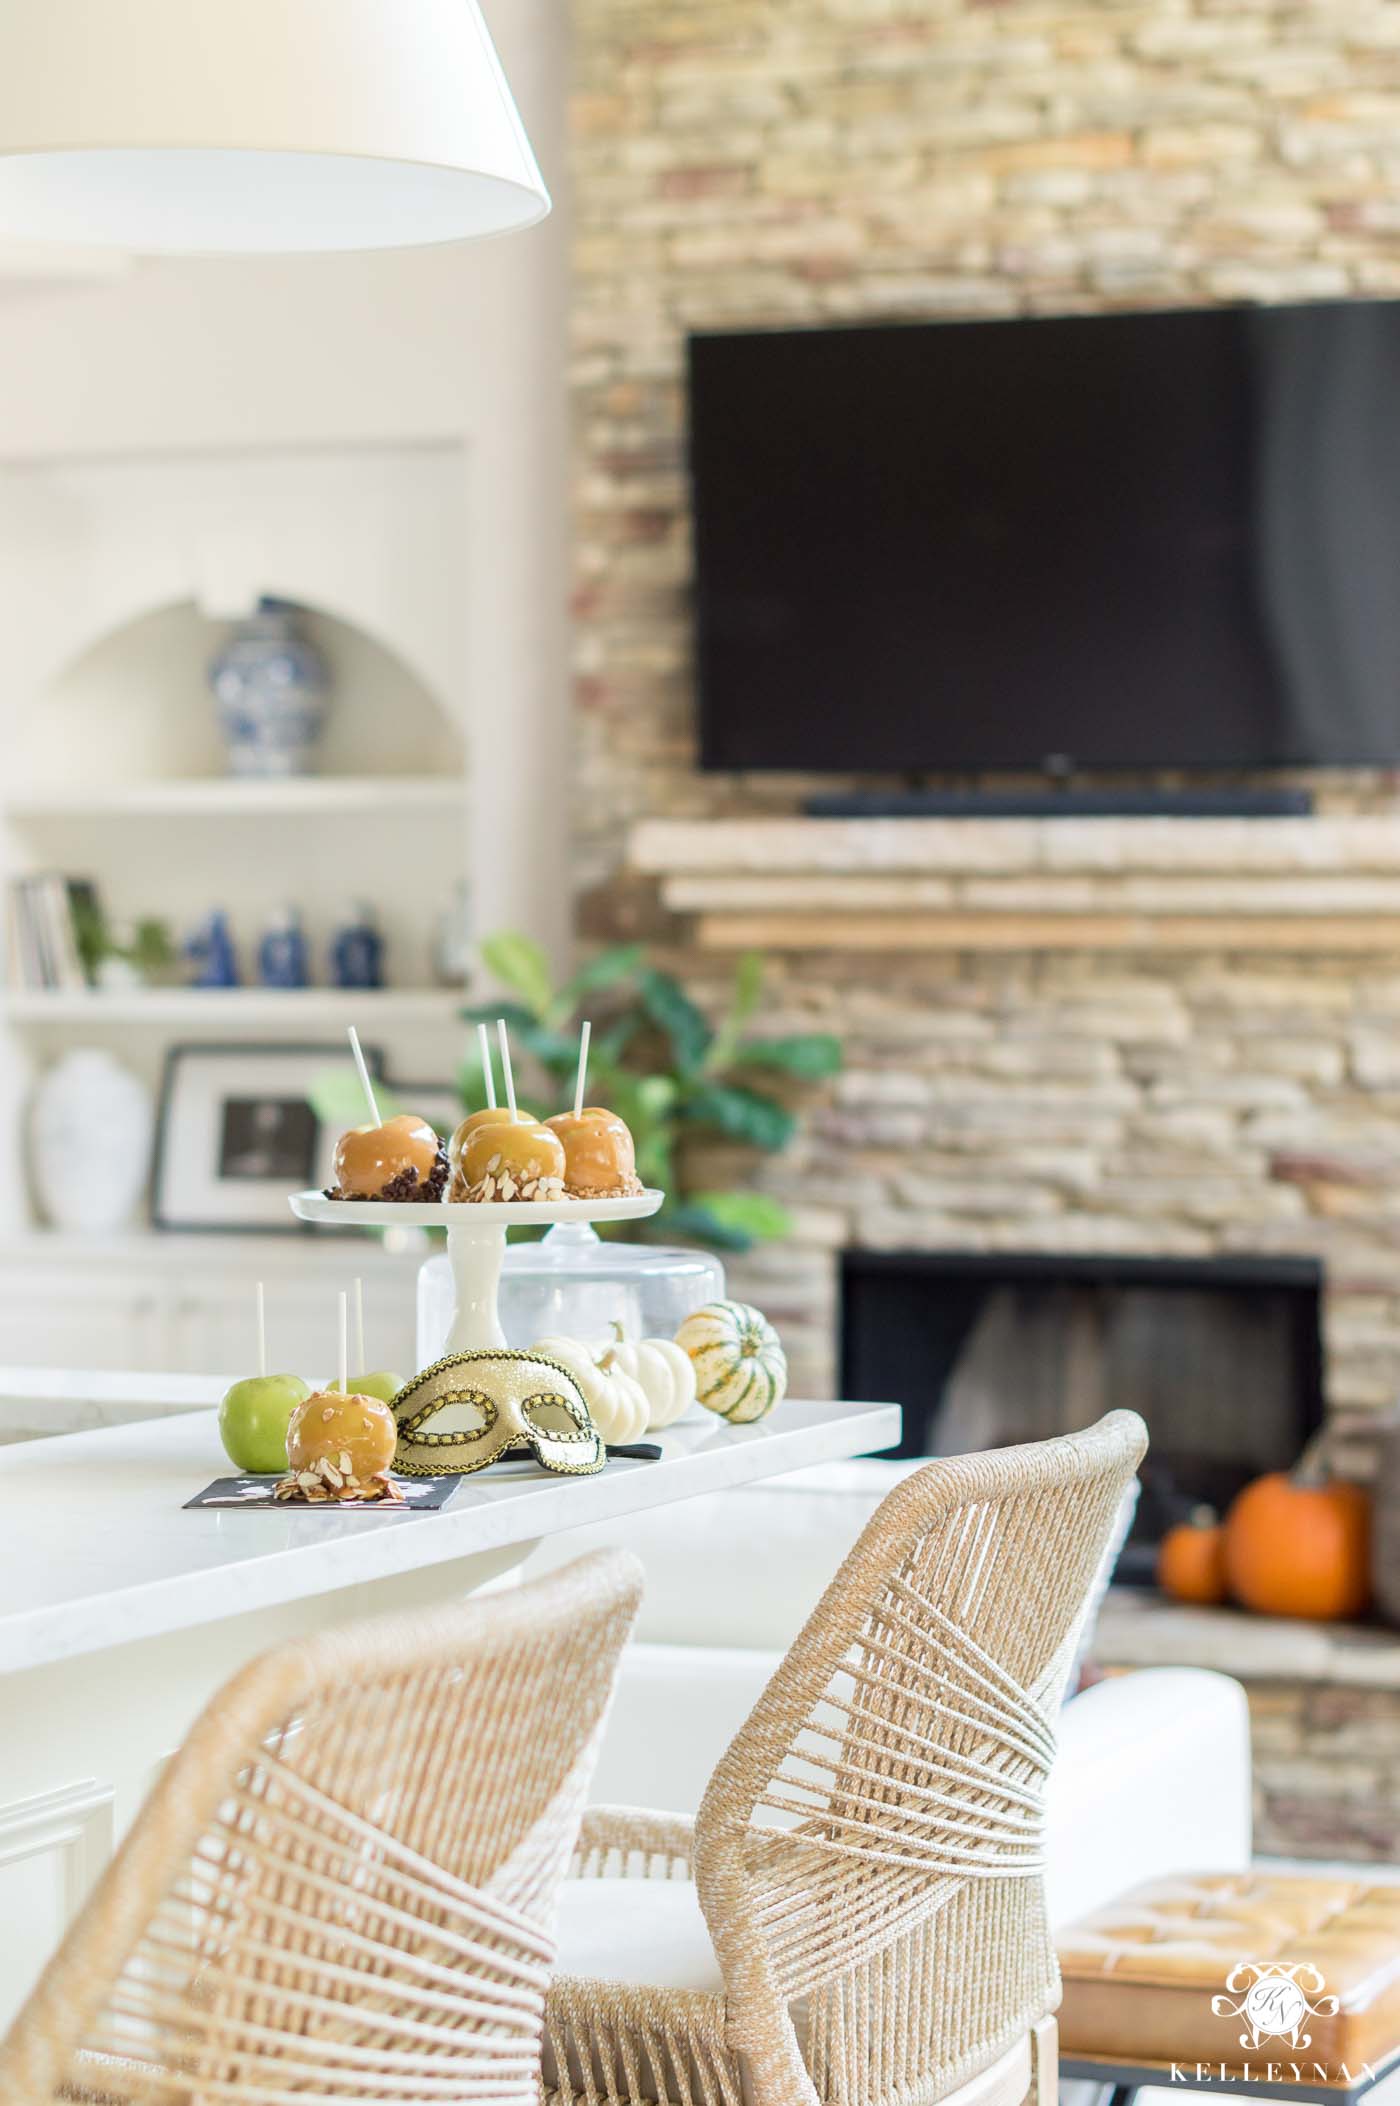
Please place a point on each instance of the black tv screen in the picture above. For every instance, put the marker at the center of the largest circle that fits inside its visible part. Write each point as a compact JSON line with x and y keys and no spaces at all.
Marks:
{"x":1133,"y":541}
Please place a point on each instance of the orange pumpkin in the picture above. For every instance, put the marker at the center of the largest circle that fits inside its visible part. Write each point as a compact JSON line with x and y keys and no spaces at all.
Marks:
{"x":1191,"y":1560}
{"x":1300,"y":1549}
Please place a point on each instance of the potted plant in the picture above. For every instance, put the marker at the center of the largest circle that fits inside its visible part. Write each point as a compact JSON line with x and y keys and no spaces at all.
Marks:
{"x":681,"y":1082}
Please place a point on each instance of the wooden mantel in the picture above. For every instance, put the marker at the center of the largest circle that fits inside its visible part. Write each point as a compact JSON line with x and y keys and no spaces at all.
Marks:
{"x":1324,"y":884}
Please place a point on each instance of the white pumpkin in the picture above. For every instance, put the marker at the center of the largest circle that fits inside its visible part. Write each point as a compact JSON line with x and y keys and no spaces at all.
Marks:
{"x":665,"y":1371}
{"x":618,"y":1404}
{"x":741,"y":1369}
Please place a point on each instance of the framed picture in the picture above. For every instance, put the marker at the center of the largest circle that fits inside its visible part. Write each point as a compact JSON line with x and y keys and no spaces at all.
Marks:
{"x":237,"y":1132}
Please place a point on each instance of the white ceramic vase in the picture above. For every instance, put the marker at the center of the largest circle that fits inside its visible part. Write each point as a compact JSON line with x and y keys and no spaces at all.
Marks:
{"x":90,"y":1128}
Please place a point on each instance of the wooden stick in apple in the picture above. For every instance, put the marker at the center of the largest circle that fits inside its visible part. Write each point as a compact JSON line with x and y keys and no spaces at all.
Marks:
{"x":378,"y":1382}
{"x":486,"y":1068}
{"x":582,"y":1077}
{"x":256,"y":1412}
{"x":600,"y":1158}
{"x":506,"y":1069}
{"x":363,"y":1072}
{"x":343,"y":1364}
{"x":399,"y":1158}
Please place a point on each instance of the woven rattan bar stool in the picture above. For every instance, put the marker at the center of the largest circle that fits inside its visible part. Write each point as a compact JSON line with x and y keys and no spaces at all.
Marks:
{"x":857,"y":1913}
{"x":344,"y":1887}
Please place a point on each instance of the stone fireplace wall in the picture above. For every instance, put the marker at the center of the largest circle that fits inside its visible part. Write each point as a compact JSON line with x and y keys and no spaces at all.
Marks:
{"x":750,"y":162}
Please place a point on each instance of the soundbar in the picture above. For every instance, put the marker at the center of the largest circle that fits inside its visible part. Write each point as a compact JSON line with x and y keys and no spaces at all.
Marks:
{"x":1060,"y":804}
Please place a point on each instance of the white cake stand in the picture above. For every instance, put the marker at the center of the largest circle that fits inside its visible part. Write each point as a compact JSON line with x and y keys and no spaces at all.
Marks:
{"x":476,"y":1242}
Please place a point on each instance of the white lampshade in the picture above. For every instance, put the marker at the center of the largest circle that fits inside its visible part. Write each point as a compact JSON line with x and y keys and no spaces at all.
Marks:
{"x":257,"y":126}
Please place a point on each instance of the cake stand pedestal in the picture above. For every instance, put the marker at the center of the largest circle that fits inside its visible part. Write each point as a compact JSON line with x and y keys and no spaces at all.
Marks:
{"x":476,"y":1243}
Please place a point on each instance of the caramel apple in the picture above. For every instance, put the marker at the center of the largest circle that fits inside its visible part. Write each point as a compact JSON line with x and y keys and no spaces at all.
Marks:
{"x":401,"y":1160}
{"x":600,"y":1161}
{"x":518,"y":1159}
{"x":340,"y":1447}
{"x":494,"y":1115}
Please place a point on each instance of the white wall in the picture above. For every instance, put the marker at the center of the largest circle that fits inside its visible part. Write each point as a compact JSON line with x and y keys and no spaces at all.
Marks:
{"x":461,"y":346}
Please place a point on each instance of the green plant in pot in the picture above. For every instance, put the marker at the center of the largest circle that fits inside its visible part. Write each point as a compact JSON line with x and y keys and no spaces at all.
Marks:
{"x":145,"y":952}
{"x":685,"y":1086}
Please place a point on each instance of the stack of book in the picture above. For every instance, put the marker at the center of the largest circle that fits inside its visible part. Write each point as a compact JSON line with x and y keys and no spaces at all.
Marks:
{"x":48,"y":916}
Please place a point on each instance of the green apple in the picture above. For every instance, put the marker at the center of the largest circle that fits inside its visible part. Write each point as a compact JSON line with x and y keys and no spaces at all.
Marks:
{"x":384,"y":1386}
{"x":253,"y":1421}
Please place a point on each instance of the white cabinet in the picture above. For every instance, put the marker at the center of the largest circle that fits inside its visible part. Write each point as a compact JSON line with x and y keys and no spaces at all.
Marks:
{"x":184,"y":1305}
{"x":80,"y":1314}
{"x":53,"y":1847}
{"x":210,"y":1326}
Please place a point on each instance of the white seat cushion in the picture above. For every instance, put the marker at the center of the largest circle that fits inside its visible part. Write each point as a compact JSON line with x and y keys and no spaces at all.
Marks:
{"x":647,"y":1931}
{"x":743,"y":1567}
{"x":675,"y":1710}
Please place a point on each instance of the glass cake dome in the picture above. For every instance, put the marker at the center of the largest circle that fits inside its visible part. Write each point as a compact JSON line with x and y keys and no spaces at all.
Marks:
{"x":573,"y":1284}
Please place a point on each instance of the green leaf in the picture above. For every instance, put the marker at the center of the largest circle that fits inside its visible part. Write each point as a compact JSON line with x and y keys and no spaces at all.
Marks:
{"x":609,"y":1046}
{"x":812,"y":1055}
{"x":471,"y":1085}
{"x":656,"y":1095}
{"x":748,"y":986}
{"x":519,"y":962}
{"x":513,"y":1014}
{"x":751,"y":1214}
{"x":337,"y":1099}
{"x":152,"y":948}
{"x":690,"y":1219}
{"x":604,"y":970}
{"x":556,"y":1051}
{"x":672,"y":1011}
{"x":740,"y":1114}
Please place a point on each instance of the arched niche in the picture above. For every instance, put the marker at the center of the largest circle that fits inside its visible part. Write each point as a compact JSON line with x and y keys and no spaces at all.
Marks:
{"x":134,"y":706}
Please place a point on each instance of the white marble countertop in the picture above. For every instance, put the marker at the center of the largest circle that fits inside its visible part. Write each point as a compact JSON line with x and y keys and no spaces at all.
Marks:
{"x":152,"y":1394}
{"x":96,"y":1548}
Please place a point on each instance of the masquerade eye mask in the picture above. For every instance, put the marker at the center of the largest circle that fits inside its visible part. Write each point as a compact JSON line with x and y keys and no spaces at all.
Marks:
{"x":471,"y":1408}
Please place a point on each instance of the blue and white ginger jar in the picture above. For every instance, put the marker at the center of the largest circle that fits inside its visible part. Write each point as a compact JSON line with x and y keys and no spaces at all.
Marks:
{"x":270,"y":683}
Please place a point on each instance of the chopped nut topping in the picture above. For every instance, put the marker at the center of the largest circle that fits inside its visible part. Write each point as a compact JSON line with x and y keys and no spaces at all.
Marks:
{"x":337,"y":1488}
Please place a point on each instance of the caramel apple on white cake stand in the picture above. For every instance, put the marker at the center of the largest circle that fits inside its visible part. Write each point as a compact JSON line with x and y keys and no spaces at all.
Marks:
{"x":476,"y":1233}
{"x":600,"y":1157}
{"x":391,"y":1161}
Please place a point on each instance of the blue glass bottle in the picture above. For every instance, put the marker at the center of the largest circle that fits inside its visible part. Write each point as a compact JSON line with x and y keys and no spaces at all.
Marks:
{"x":357,"y":950}
{"x":282,"y":953}
{"x":212,"y":952}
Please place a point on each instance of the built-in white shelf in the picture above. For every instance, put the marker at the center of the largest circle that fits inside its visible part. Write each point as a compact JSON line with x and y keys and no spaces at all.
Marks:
{"x":234,"y":797}
{"x":201,"y":1007}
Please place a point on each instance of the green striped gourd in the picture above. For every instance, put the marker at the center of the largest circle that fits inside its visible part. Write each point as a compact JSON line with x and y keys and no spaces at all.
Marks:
{"x":740,"y":1366}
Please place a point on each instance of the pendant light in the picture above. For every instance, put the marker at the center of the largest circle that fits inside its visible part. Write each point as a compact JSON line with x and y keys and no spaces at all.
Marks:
{"x":186,"y":127}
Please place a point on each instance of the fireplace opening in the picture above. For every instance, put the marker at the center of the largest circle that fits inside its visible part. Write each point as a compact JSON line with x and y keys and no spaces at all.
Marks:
{"x":1223,"y":1357}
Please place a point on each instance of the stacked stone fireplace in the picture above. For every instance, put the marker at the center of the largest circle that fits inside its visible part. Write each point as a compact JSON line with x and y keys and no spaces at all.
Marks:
{"x":1045,"y":1079}
{"x":1132,"y":1046}
{"x":1151,"y":1046}
{"x":1035,"y":1066}
{"x":1220,"y":1356}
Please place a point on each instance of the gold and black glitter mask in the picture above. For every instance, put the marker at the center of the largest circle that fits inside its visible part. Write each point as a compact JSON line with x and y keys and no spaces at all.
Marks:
{"x":471,"y":1408}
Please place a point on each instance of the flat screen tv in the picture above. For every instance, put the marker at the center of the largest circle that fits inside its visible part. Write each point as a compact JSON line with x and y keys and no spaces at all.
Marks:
{"x":1130,"y":541}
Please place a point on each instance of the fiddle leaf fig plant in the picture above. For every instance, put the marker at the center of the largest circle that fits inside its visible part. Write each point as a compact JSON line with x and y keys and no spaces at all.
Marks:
{"x":658,"y":1061}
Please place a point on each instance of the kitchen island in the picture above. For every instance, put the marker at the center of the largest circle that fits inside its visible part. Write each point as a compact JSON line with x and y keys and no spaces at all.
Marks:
{"x":121,"y":1611}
